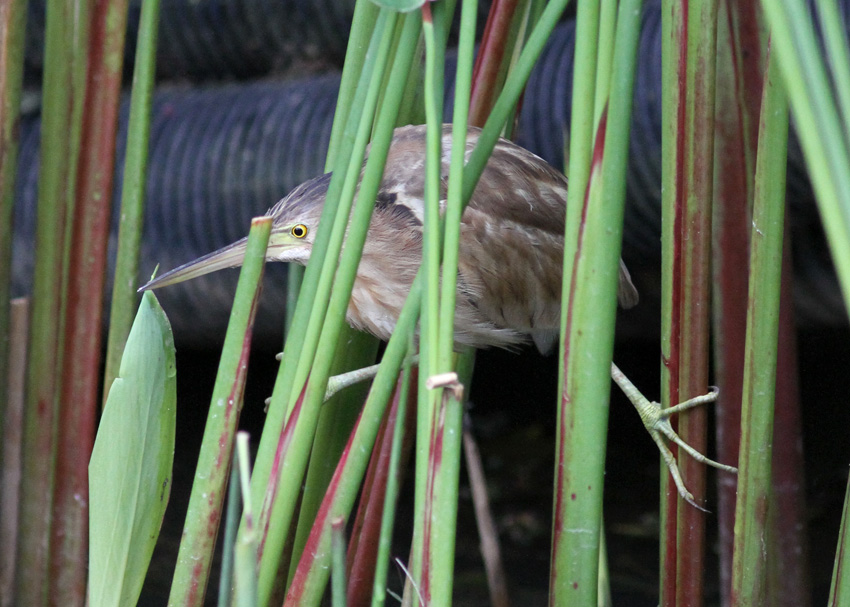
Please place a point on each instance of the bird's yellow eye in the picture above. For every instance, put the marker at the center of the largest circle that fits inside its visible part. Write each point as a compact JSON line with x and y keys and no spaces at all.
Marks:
{"x":299,"y":230}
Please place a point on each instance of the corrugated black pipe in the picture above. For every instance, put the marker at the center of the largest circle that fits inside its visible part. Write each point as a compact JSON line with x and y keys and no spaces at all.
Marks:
{"x":230,"y":39}
{"x":217,"y":158}
{"x":226,"y":39}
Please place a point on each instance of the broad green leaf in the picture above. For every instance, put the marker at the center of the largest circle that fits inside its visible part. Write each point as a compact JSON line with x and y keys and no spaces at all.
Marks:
{"x":130,"y":469}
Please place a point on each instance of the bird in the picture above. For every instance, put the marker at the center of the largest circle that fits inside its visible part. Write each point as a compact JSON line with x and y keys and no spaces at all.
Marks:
{"x":510,"y":258}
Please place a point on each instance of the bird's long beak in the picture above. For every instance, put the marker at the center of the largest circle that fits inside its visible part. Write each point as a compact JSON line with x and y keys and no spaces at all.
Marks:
{"x":227,"y":257}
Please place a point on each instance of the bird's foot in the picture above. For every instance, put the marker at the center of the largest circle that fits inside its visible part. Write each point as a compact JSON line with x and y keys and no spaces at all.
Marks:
{"x":657,"y":422}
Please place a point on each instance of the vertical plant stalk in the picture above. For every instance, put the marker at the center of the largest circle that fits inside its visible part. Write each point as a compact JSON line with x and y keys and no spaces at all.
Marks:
{"x":840,"y":588}
{"x":454,"y":198}
{"x":308,"y":583}
{"x":362,"y":24}
{"x":752,"y":516}
{"x":336,"y":421}
{"x":65,"y":36}
{"x":582,"y":162}
{"x":591,"y":264}
{"x":303,"y":334}
{"x":491,"y":57}
{"x":823,"y":134}
{"x":429,"y":401}
{"x":278,"y":508}
{"x":14,"y":319}
{"x":687,"y":150}
{"x":582,"y":127}
{"x":13,"y":16}
{"x":245,"y":557}
{"x":339,"y":414}
{"x":431,"y":233}
{"x":428,"y":342}
{"x":488,"y":532}
{"x":444,"y":467}
{"x":338,"y":549}
{"x":231,"y":525}
{"x":825,"y":138}
{"x":11,"y":454}
{"x":789,"y":582}
{"x":476,"y":88}
{"x":368,"y":555}
{"x":87,"y":266}
{"x":740,"y":59}
{"x":133,"y":191}
{"x":400,"y":453}
{"x":204,"y":513}
{"x":445,"y":454}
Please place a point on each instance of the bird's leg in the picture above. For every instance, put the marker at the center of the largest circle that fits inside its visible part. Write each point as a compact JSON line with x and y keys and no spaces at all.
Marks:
{"x":344,"y":380}
{"x":339,"y":382}
{"x":657,"y":422}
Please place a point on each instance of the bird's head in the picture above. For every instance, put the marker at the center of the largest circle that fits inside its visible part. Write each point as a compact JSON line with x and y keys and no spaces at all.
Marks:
{"x":296,"y":218}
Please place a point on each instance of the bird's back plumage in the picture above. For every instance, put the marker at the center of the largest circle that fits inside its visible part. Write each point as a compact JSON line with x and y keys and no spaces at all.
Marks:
{"x":511,"y":249}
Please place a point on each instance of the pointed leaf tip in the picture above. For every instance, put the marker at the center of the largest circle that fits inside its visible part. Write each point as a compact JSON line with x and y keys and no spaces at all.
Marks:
{"x":130,"y":467}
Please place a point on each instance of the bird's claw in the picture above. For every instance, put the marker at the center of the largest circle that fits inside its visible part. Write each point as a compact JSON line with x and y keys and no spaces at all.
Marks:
{"x":657,"y":422}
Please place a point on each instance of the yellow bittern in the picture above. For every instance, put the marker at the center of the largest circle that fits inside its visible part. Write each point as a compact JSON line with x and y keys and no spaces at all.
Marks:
{"x":510,"y":259}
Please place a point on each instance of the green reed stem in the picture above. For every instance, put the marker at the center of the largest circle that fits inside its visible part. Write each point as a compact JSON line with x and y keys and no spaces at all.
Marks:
{"x":66,"y":32}
{"x":133,"y":190}
{"x":750,"y":559}
{"x":589,"y":312}
{"x":210,"y":485}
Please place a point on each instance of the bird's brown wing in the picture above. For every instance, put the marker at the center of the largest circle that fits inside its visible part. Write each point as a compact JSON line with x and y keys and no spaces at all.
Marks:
{"x":525,"y":190}
{"x":512,"y":246}
{"x":511,"y":255}
{"x":517,"y":214}
{"x":516,"y":185}
{"x":522,"y":188}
